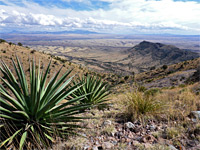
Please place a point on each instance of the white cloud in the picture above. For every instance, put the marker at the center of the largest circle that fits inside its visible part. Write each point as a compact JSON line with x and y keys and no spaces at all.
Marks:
{"x":129,"y":15}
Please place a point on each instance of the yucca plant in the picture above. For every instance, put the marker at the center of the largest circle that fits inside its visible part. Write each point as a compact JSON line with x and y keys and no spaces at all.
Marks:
{"x":94,"y":88}
{"x":31,"y":115}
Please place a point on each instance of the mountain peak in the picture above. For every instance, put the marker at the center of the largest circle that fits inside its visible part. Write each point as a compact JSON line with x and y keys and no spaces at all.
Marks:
{"x":147,"y":54}
{"x":147,"y":44}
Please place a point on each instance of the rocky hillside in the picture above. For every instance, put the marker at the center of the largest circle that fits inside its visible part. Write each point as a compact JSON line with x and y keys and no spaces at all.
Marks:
{"x":146,"y":55}
{"x":9,"y":50}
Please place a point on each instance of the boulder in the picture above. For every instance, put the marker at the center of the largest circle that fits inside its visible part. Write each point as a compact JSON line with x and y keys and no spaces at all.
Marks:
{"x":129,"y":125}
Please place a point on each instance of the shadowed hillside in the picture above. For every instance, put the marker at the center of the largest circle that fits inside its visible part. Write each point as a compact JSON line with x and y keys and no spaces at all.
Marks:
{"x":146,"y":55}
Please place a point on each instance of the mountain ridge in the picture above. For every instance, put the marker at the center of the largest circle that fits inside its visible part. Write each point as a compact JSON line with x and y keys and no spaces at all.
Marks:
{"x":147,"y":54}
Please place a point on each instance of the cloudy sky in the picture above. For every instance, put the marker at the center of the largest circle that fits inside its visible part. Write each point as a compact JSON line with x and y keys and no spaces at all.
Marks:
{"x":104,"y":16}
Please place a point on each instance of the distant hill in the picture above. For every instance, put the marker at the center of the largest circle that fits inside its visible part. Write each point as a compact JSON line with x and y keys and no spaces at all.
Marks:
{"x":147,"y":54}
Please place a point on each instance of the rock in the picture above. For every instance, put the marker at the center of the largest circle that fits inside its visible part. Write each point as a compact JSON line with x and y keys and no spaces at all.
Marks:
{"x":135,"y":143}
{"x":129,"y":125}
{"x":147,"y":146}
{"x":107,"y":122}
{"x":86,"y":147}
{"x":107,"y":145}
{"x":95,"y":148}
{"x":192,"y":143}
{"x":152,"y":127}
{"x":130,"y":135}
{"x":123,"y":140}
{"x":195,"y":148}
{"x":114,"y":142}
{"x":171,"y":147}
{"x":83,"y":134}
{"x":128,"y":140}
{"x":195,"y":116}
{"x":148,"y":139}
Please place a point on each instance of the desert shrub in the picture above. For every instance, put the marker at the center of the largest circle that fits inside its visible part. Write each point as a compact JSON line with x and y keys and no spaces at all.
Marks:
{"x":94,"y":88}
{"x":152,"y":92}
{"x":121,"y":81}
{"x":164,"y":67}
{"x":33,"y":51}
{"x":137,"y":105}
{"x":141,"y":88}
{"x":172,"y":132}
{"x":19,"y":44}
{"x":2,"y":40}
{"x":182,"y":85}
{"x":126,"y":77}
{"x":31,"y":115}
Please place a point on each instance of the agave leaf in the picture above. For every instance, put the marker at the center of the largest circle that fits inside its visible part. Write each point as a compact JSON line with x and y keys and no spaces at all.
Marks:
{"x":22,"y":141}
{"x":12,"y":101}
{"x":59,"y":107}
{"x":22,"y":113}
{"x":49,"y":137}
{"x":4,"y":142}
{"x":8,"y":117}
{"x":54,"y":100}
{"x":43,"y":81}
{"x":48,"y":93}
{"x":12,"y":137}
{"x":19,"y":98}
{"x":23,"y":78}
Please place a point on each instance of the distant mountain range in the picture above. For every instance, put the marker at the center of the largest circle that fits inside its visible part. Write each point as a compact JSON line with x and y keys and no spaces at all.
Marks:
{"x":53,"y":32}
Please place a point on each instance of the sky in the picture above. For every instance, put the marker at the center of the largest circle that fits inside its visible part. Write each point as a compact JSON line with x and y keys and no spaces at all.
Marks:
{"x":102,"y":16}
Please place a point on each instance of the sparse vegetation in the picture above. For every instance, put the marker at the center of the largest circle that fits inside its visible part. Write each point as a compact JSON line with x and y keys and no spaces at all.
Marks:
{"x":137,"y":105}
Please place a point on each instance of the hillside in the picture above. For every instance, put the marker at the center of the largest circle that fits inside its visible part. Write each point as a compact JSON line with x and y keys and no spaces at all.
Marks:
{"x":9,"y":50}
{"x":172,"y":75}
{"x":146,"y":55}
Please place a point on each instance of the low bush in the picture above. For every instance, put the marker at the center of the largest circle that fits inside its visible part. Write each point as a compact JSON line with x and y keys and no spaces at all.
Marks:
{"x":137,"y":105}
{"x":152,"y":92}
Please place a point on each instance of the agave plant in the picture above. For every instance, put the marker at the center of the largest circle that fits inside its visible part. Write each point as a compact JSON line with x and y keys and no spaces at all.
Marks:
{"x":31,"y":113}
{"x":94,"y":88}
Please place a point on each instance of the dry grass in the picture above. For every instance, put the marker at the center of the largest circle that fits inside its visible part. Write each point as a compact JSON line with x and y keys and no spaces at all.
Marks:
{"x":180,"y":102}
{"x":138,"y":105}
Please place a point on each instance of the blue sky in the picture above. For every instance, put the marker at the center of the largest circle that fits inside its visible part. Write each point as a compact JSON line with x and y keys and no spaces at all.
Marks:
{"x":103,"y":16}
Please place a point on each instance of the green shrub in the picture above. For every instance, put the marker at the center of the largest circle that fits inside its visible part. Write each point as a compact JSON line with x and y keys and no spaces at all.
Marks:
{"x":94,"y":88}
{"x":2,"y":40}
{"x":152,"y":92}
{"x":142,"y":88}
{"x":31,"y":113}
{"x":172,"y":133}
{"x":19,"y":44}
{"x":137,"y":105}
{"x":164,"y":67}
